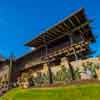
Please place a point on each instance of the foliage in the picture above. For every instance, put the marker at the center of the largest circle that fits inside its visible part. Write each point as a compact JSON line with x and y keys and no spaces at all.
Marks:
{"x":41,"y":79}
{"x":77,"y":73}
{"x":91,"y":67}
{"x":63,"y":74}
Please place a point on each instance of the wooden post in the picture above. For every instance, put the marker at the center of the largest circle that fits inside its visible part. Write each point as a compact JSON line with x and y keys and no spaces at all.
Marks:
{"x":10,"y":80}
{"x":71,"y":70}
{"x":48,"y":65}
{"x":76,"y":58}
{"x":10,"y":72}
{"x":82,"y":38}
{"x":71,"y":42}
{"x":50,"y":74}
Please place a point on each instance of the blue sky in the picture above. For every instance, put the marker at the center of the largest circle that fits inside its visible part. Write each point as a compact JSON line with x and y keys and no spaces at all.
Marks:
{"x":21,"y":20}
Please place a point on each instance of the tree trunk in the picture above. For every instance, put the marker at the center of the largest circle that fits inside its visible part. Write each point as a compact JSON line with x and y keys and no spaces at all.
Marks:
{"x":71,"y":71}
{"x":50,"y":75}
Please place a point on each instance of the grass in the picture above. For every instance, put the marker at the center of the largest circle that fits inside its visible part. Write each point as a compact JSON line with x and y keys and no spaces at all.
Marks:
{"x":72,"y":92}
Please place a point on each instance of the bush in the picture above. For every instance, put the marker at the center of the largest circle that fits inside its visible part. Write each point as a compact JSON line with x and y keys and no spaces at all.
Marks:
{"x":41,"y":79}
{"x":77,"y":73}
{"x":63,"y":74}
{"x":92,"y":67}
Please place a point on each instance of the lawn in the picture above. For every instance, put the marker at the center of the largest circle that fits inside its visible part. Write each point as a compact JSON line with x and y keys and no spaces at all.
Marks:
{"x":72,"y":92}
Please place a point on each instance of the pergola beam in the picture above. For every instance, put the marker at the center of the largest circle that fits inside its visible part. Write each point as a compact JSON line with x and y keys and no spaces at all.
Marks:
{"x":68,"y":26}
{"x":51,"y":34}
{"x":77,"y":19}
{"x":73,"y":25}
{"x":54,"y":32}
{"x":70,"y":33}
{"x":62,"y":28}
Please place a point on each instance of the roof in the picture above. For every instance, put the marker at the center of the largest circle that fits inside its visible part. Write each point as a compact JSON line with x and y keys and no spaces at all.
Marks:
{"x":2,"y":59}
{"x":70,"y":24}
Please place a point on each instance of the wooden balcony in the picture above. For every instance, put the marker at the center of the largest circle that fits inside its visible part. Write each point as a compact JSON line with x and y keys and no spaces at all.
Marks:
{"x":69,"y":50}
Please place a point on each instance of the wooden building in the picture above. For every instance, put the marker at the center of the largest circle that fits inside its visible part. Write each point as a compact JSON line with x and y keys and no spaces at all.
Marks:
{"x":67,"y":40}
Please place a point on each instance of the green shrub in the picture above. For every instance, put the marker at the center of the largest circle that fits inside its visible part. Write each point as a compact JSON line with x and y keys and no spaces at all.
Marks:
{"x":63,"y":74}
{"x":92,"y":67}
{"x":77,"y":73}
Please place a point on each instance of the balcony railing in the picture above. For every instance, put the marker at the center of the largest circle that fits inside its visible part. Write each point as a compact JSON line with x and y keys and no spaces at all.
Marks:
{"x":68,"y":50}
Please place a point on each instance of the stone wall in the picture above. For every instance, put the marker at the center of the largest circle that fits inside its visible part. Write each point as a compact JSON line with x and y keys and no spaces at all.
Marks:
{"x":59,"y":73}
{"x":79,"y":63}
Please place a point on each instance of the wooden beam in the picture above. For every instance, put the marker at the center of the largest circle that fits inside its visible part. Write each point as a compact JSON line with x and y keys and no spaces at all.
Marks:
{"x":66,"y":33}
{"x":78,"y":27}
{"x":37,"y":40}
{"x":54,"y":32}
{"x":77,"y":19}
{"x":49,"y":36}
{"x":51,"y":33}
{"x":73,"y":25}
{"x":62,"y":28}
{"x":69,"y":50}
{"x":66,"y":26}
{"x":57,"y":30}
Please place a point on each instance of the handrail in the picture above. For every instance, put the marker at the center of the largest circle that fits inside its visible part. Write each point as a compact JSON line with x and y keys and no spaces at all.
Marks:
{"x":81,"y":46}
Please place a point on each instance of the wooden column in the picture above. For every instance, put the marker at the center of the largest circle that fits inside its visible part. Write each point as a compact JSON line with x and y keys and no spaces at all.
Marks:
{"x":71,"y":42}
{"x":47,"y":64}
{"x":11,"y":72}
{"x":71,"y":70}
{"x":49,"y":72}
{"x":82,"y":38}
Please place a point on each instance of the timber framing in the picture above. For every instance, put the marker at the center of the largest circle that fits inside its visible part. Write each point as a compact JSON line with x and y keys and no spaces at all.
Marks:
{"x":75,"y":22}
{"x":69,"y":51}
{"x":45,"y":43}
